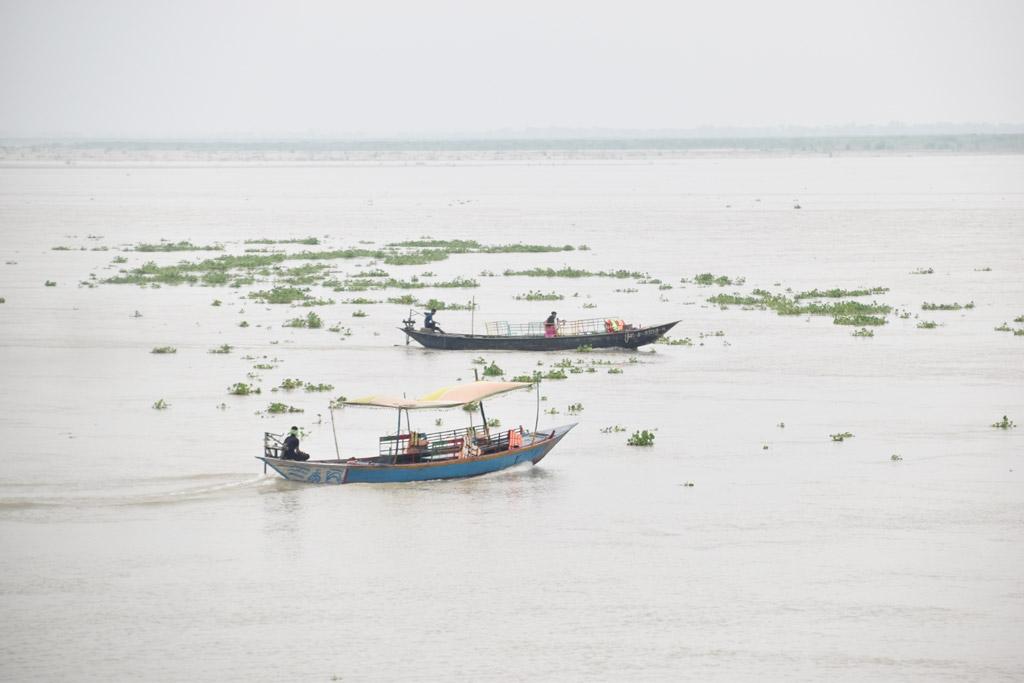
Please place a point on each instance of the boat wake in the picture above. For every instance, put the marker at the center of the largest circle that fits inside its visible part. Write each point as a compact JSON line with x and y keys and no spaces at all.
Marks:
{"x":150,"y":492}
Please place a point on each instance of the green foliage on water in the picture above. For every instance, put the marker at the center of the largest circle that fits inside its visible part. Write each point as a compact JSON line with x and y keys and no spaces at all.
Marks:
{"x":574,"y":408}
{"x":574,"y":272}
{"x":184,"y":245}
{"x":557,"y":373}
{"x":927,"y":325}
{"x":841,"y":436}
{"x":164,"y":349}
{"x":471,"y":407}
{"x":1005,"y":423}
{"x":243,"y":389}
{"x":493,"y":370}
{"x":539,"y":296}
{"x":863,"y":332}
{"x":223,"y":348}
{"x":926,"y":306}
{"x":310,"y":387}
{"x":922,"y":271}
{"x":858,"y":319}
{"x":244,"y":323}
{"x":641,"y":438}
{"x":279,"y":408}
{"x":612,"y":429}
{"x":360,"y":313}
{"x":280,"y":295}
{"x":445,"y":305}
{"x":1004,"y":328}
{"x":584,"y":348}
{"x":288,"y":384}
{"x":312,"y":321}
{"x":711,"y":279}
{"x":50,"y":283}
{"x":669,"y":341}
{"x":843,"y":312}
{"x":119,"y":259}
{"x":837,"y":293}
{"x":614,"y":371}
{"x":535,"y":377}
{"x":161,"y":405}
{"x":311,"y":241}
{"x":494,"y":422}
{"x":472,"y":246}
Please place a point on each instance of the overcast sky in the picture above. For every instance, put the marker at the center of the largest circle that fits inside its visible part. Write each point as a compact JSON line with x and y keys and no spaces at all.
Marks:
{"x":139,"y":68}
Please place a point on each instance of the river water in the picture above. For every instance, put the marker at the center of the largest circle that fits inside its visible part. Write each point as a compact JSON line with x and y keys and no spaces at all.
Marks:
{"x":149,"y":544}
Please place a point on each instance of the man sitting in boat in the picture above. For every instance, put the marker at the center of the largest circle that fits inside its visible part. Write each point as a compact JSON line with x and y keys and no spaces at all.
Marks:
{"x":291,"y":446}
{"x":550,"y":325}
{"x":430,"y":323}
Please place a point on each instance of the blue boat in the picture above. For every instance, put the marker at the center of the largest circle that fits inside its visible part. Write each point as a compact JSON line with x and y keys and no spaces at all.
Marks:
{"x":417,"y":456}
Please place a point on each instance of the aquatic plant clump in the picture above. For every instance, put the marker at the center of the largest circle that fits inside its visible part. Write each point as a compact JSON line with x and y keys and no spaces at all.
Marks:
{"x":280,"y":295}
{"x":841,"y":436}
{"x":279,"y":408}
{"x":161,"y":405}
{"x":493,"y":370}
{"x":927,"y":325}
{"x":863,"y":332}
{"x":1005,"y":423}
{"x":164,"y":349}
{"x":312,"y":321}
{"x":243,"y":389}
{"x":641,"y":438}
{"x":223,"y":348}
{"x":926,"y":306}
{"x":837,"y":293}
{"x":858,"y":319}
{"x":539,"y":296}
{"x":184,"y":245}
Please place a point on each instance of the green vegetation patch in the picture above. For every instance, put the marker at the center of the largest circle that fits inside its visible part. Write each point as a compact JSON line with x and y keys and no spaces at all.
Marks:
{"x":243,"y":389}
{"x":312,"y":321}
{"x":1005,"y":423}
{"x":574,"y":272}
{"x":926,"y":306}
{"x":641,"y":438}
{"x":164,"y":349}
{"x":184,"y":245}
{"x":279,"y":408}
{"x":280,"y":295}
{"x":836,"y":293}
{"x":539,"y":296}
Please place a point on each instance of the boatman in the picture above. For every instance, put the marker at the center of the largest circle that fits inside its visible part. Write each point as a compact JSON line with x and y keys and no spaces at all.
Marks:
{"x":428,"y":322}
{"x":550,"y":325}
{"x":291,"y":446}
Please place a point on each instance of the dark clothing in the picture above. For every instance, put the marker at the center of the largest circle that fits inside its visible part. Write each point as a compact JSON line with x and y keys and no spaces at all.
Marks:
{"x":550,"y":320}
{"x":430,"y":324}
{"x":291,"y":449}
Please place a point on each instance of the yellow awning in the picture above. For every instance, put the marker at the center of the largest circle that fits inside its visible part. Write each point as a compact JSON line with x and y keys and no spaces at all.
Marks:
{"x":446,"y":397}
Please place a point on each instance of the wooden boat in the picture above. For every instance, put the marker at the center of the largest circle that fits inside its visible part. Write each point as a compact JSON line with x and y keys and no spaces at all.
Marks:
{"x":416,"y":456}
{"x":597,"y":333}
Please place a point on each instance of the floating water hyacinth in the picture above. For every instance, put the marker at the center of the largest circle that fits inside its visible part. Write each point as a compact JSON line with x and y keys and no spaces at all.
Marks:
{"x":841,"y":436}
{"x":641,"y":438}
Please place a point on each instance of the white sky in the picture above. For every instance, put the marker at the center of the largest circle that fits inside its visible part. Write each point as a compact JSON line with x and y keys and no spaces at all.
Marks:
{"x":186,"y":68}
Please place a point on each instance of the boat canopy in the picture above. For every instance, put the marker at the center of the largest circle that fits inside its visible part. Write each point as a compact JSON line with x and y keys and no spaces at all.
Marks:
{"x":446,"y":397}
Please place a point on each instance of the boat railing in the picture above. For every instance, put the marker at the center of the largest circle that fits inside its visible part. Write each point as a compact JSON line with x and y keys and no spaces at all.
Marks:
{"x":564,"y":328}
{"x":273,"y":445}
{"x":424,"y":447}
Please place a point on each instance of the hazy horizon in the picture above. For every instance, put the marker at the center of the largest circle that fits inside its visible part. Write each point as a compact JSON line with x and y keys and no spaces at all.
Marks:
{"x":118,"y":69}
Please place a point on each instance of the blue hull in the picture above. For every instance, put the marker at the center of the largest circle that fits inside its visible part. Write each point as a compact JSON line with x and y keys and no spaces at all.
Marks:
{"x":348,"y":472}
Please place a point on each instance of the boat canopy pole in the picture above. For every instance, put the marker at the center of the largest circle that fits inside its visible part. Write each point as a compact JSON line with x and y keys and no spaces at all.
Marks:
{"x":334,"y":430}
{"x":483,"y":416}
{"x":536,"y":415}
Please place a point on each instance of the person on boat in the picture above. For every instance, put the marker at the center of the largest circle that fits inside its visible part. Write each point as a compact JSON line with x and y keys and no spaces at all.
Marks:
{"x":291,"y":446}
{"x":550,"y":325}
{"x":430,"y":323}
